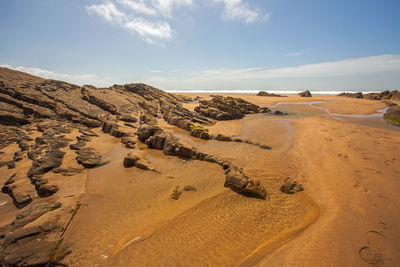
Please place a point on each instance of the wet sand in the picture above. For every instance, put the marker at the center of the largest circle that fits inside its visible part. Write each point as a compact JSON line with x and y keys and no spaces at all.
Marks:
{"x":346,"y":216}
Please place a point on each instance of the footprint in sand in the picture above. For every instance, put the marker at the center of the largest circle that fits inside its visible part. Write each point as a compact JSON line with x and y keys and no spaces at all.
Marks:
{"x":372,"y":253}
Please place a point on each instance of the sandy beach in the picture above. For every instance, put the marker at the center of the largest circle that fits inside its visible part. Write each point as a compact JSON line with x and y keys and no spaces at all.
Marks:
{"x":345,"y":216}
{"x":174,"y":210}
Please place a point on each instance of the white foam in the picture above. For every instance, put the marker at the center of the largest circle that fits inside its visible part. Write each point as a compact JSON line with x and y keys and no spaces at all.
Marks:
{"x":284,"y":92}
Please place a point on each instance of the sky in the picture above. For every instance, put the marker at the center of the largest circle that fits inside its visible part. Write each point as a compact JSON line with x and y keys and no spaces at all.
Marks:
{"x":181,"y":45}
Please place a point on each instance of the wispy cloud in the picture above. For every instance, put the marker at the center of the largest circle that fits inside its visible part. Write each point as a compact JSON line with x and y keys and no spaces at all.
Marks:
{"x":79,"y":79}
{"x":294,"y":54}
{"x":139,"y":6}
{"x":241,"y":10}
{"x":151,"y":18}
{"x":145,"y":28}
{"x":355,"y":69}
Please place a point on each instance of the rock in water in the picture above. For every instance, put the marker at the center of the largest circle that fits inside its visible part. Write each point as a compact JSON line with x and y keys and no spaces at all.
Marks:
{"x":254,"y":189}
{"x":291,"y":187}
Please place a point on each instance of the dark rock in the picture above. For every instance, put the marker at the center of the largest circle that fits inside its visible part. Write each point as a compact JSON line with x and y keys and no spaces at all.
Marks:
{"x":263,"y":93}
{"x":46,"y":190}
{"x":291,"y":187}
{"x":254,"y":189}
{"x":176,"y":193}
{"x":70,"y":171}
{"x":221,"y":137}
{"x":189,"y":188}
{"x":130,"y":160}
{"x":236,"y":180}
{"x":11,"y":164}
{"x":352,"y":95}
{"x":305,"y":94}
{"x":392,"y":115}
{"x":88,"y":158}
{"x":77,"y":146}
{"x":145,"y":131}
{"x":144,"y":165}
{"x":226,"y":108}
{"x":20,"y":200}
{"x":128,"y":118}
{"x":11,"y":179}
{"x":185,"y":152}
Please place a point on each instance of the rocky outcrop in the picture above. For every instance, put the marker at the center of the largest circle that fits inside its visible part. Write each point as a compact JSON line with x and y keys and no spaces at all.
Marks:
{"x":227,"y":108}
{"x":23,"y":244}
{"x":305,"y":94}
{"x":263,"y":93}
{"x":392,"y":115}
{"x":156,"y":138}
{"x":384,"y":95}
{"x":291,"y":187}
{"x":88,"y":157}
{"x":352,"y":95}
{"x":239,"y":182}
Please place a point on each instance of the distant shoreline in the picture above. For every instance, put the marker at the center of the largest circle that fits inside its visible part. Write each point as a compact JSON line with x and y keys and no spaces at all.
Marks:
{"x":291,"y":92}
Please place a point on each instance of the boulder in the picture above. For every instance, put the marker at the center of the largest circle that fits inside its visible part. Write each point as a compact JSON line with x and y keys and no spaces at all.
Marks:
{"x":185,"y":152}
{"x":291,"y":187}
{"x":236,"y":180}
{"x":144,"y":165}
{"x":254,"y":189}
{"x":305,"y":94}
{"x":130,"y":160}
{"x":88,"y":158}
{"x":392,"y":115}
{"x":46,"y":190}
{"x":263,"y":93}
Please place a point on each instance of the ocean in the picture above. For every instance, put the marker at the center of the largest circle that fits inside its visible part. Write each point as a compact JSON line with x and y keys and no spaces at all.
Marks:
{"x":244,"y":91}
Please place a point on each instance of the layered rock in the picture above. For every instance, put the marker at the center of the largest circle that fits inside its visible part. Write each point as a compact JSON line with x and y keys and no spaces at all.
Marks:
{"x":227,"y":108}
{"x":352,"y":95}
{"x":384,"y":95}
{"x":156,"y":138}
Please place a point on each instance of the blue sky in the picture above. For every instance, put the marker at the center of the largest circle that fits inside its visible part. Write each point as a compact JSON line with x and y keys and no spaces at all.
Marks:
{"x":207,"y":44}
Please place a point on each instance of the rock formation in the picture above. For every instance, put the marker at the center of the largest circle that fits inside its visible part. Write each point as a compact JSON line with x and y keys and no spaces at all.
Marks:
{"x":392,"y":115}
{"x":263,"y":93}
{"x":305,"y":94}
{"x":50,"y":121}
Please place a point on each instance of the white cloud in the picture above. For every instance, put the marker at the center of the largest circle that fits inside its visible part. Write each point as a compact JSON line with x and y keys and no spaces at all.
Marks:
{"x":139,"y":6}
{"x":79,"y":79}
{"x":108,"y":11}
{"x":241,"y":10}
{"x":359,"y":71}
{"x":165,"y":7}
{"x":294,"y":54}
{"x":150,"y":18}
{"x":147,"y":29}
